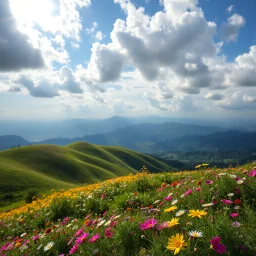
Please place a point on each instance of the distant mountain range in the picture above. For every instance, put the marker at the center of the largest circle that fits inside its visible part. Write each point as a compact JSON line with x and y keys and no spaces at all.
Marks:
{"x":157,"y":138}
{"x":42,"y":130}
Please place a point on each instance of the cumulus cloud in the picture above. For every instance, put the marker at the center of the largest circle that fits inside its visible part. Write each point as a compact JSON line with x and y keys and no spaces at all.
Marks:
{"x":242,"y":72}
{"x":230,"y":29}
{"x":237,"y":101}
{"x":214,"y":96}
{"x":15,"y":50}
{"x":57,"y":82}
{"x":105,"y":64}
{"x":68,"y":22}
{"x":69,"y":82}
{"x":173,"y":45}
{"x":42,"y":89}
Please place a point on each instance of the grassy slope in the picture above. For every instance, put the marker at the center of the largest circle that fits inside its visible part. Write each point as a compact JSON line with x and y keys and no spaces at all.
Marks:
{"x":49,"y":166}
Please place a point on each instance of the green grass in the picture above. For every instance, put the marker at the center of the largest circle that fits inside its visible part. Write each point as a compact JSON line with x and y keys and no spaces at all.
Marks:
{"x":46,"y":167}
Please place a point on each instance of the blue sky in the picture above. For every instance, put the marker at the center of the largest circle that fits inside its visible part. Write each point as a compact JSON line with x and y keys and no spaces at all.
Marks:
{"x":92,"y":58}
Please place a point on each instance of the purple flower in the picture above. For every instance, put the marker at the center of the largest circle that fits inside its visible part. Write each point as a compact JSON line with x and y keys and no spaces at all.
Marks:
{"x":217,"y":246}
{"x":209,"y":182}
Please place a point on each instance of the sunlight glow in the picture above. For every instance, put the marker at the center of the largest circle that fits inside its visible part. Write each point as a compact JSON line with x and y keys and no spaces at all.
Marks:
{"x":32,"y":11}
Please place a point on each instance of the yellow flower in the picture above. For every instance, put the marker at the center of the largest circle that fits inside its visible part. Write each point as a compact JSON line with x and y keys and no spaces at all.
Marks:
{"x":176,"y":243}
{"x":197,"y":213}
{"x":171,"y":209}
{"x":198,"y":166}
{"x":173,"y":222}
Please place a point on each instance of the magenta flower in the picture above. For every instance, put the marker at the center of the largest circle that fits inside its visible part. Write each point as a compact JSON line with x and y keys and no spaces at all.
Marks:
{"x":94,"y":238}
{"x":73,"y":249}
{"x":188,"y":192}
{"x":79,"y":232}
{"x":168,"y":198}
{"x":198,"y":189}
{"x":226,"y":201}
{"x":148,"y":224}
{"x":209,"y":182}
{"x":82,"y":238}
{"x":108,"y":234}
{"x":233,"y":215}
{"x":252,"y":173}
{"x":217,"y":246}
{"x":34,"y":238}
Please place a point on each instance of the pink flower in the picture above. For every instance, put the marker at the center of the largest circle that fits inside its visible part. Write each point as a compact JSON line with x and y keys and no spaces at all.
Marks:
{"x":168,"y":198}
{"x":73,"y":249}
{"x":82,"y":238}
{"x":34,"y":238}
{"x":233,"y":215}
{"x":252,"y":173}
{"x":217,"y":246}
{"x":163,"y":225}
{"x":79,"y":232}
{"x":188,"y":192}
{"x":209,"y":182}
{"x":94,"y":238}
{"x":148,"y":224}
{"x":236,"y":224}
{"x":198,"y":189}
{"x":226,"y":201}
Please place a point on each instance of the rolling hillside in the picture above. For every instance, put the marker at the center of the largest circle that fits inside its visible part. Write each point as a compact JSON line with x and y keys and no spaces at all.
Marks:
{"x":49,"y":166}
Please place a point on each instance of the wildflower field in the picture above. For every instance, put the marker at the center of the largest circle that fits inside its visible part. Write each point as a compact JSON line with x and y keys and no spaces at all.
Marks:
{"x":204,"y":212}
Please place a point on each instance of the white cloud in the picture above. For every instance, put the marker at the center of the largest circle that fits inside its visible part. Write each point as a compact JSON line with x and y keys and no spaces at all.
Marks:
{"x":230,"y":29}
{"x":99,"y":36}
{"x":75,"y":45}
{"x":230,"y":8}
{"x":105,"y":63}
{"x":243,"y":69}
{"x":248,"y":98}
{"x":48,"y":85}
{"x":214,"y":96}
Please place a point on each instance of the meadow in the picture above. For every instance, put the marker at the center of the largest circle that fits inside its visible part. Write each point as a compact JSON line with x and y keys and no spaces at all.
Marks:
{"x":208,"y":211}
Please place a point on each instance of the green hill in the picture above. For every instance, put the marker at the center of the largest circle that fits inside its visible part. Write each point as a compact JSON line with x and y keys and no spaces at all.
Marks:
{"x":45,"y":167}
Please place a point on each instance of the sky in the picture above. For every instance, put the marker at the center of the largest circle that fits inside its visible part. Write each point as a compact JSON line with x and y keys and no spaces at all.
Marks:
{"x":63,"y":59}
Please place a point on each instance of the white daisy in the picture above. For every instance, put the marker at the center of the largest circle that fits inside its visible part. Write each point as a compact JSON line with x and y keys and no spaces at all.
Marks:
{"x":174,"y":202}
{"x":207,"y":205}
{"x":48,"y":246}
{"x":230,"y":194}
{"x":180,"y":212}
{"x":194,"y":233}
